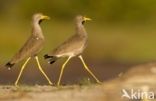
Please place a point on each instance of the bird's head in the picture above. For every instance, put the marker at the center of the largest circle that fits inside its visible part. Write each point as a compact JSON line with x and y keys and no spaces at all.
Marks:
{"x":39,"y":17}
{"x":82,"y":19}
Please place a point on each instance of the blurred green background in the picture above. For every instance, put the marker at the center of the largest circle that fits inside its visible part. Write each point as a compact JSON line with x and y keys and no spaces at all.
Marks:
{"x":121,"y":32}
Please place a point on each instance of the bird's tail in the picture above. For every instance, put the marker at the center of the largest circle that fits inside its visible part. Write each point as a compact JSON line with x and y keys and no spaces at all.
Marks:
{"x":9,"y":65}
{"x":51,"y":59}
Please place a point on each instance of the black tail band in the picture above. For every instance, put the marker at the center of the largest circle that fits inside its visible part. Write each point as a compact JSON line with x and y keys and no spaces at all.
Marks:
{"x":9,"y":65}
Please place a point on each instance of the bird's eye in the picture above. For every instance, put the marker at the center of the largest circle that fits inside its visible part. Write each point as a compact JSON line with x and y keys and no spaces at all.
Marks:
{"x":40,"y":21}
{"x":83,"y":22}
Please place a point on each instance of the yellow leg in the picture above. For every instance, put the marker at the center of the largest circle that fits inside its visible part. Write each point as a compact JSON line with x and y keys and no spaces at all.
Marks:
{"x":62,"y":69}
{"x":86,"y":67}
{"x":40,"y":68}
{"x":21,"y":71}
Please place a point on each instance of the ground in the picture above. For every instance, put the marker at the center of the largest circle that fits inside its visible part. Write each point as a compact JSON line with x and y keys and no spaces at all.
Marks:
{"x":139,"y":78}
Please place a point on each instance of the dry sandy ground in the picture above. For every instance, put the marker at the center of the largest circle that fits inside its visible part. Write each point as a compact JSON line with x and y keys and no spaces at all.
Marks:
{"x":142,"y":78}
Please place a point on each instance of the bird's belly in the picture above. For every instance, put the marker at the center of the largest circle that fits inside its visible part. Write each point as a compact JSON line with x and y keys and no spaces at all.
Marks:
{"x":71,"y":53}
{"x":37,"y":48}
{"x":66,"y":54}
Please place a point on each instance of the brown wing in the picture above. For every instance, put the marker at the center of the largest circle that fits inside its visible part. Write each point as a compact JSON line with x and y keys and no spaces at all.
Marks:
{"x":74,"y":44}
{"x":32,"y":46}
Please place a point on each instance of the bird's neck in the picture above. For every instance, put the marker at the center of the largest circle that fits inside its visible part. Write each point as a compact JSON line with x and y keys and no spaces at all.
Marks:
{"x":80,"y":30}
{"x":36,"y":30}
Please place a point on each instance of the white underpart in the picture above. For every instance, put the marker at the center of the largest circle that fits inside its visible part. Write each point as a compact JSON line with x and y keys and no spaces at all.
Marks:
{"x":72,"y":53}
{"x":66,"y":54}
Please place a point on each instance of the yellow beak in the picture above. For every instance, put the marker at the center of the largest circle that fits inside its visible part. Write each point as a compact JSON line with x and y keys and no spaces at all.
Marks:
{"x":45,"y":17}
{"x":86,"y":19}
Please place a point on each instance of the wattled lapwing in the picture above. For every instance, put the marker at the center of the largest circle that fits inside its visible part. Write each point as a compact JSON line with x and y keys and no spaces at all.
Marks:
{"x":32,"y":47}
{"x":72,"y":47}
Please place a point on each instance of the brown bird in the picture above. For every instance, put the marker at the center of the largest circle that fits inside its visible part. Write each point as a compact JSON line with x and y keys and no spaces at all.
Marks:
{"x":32,"y":47}
{"x":72,"y":47}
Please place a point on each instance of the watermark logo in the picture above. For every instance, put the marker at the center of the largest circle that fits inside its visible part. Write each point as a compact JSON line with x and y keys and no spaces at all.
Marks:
{"x":137,"y":94}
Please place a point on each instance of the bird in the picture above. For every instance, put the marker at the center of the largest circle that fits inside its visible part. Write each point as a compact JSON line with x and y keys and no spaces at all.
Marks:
{"x":31,"y":48}
{"x":72,"y":47}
